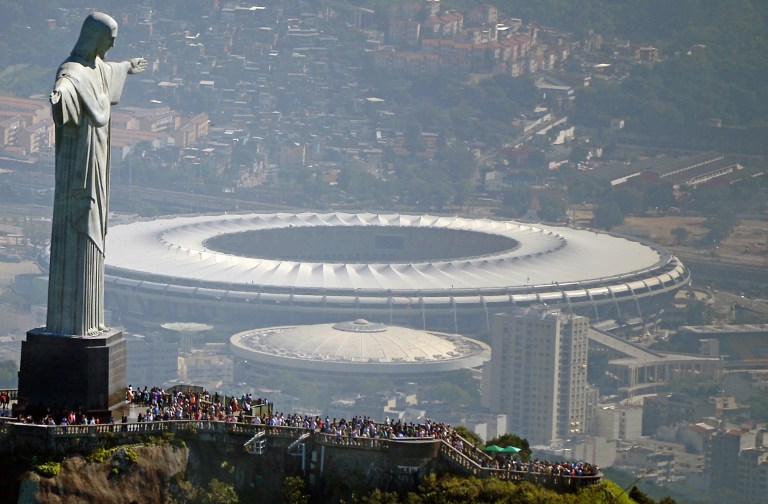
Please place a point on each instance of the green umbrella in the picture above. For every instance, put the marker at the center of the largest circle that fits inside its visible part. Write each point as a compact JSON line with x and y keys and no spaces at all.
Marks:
{"x":511,"y":449}
{"x":493,"y":448}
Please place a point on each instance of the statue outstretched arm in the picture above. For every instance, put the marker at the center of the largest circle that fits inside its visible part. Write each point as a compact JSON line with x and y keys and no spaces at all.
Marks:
{"x":117,"y":73}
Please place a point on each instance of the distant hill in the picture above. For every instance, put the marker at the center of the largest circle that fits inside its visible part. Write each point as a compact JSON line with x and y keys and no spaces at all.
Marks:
{"x":713,"y":52}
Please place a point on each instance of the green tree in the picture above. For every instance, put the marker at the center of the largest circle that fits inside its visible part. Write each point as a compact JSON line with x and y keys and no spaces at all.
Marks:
{"x":294,"y":491}
{"x":758,"y":407}
{"x":431,"y":189}
{"x":597,"y":104}
{"x":659,"y":196}
{"x":458,"y":490}
{"x":698,"y":39}
{"x":513,"y":440}
{"x":638,"y":496}
{"x":578,"y":154}
{"x":681,"y":234}
{"x":378,"y":496}
{"x":711,"y":200}
{"x":517,"y":199}
{"x":699,"y":313}
{"x":430,"y":116}
{"x":695,"y":387}
{"x":608,"y":215}
{"x":720,"y":227}
{"x":463,"y":190}
{"x":607,"y":492}
{"x":349,"y":180}
{"x":552,"y":205}
{"x":459,"y":163}
{"x":583,"y":188}
{"x":629,"y":199}
{"x":469,"y":435}
{"x":219,"y":492}
{"x":414,"y":142}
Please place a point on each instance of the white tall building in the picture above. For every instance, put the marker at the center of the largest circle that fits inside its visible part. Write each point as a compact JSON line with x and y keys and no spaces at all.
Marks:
{"x":151,"y":360}
{"x":538,"y":373}
{"x":620,"y":421}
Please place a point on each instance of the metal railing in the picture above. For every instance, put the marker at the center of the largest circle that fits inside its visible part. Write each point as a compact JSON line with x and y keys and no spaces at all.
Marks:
{"x":155,"y":427}
{"x":471,"y":466}
{"x":465,"y":458}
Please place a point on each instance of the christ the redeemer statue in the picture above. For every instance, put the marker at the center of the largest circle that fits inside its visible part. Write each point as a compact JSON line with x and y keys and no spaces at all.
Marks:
{"x":86,"y":87}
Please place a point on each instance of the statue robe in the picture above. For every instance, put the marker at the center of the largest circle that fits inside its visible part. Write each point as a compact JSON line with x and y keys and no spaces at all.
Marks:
{"x":81,"y":199}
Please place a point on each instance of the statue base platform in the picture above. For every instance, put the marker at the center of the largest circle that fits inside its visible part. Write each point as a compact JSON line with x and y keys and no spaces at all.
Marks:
{"x":60,"y":373}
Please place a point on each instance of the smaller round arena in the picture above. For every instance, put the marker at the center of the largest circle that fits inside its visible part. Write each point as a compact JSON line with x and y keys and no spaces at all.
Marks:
{"x":356,"y":349}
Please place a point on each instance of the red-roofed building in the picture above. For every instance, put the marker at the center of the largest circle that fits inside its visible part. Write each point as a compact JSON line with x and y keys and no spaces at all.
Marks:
{"x":447,"y":25}
{"x":404,"y":32}
{"x":32,"y":110}
{"x":191,"y":131}
{"x":36,"y":136}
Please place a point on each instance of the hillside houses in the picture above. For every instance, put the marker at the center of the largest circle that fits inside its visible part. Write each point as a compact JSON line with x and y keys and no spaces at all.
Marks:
{"x":479,"y":43}
{"x":253,"y":83}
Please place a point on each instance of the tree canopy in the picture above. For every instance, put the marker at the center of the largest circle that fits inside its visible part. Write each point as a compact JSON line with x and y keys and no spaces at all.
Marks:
{"x":714,"y":63}
{"x":459,"y":490}
{"x":513,"y":440}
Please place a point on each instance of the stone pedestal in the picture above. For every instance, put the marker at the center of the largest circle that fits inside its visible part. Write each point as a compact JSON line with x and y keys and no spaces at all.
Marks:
{"x":63,"y":373}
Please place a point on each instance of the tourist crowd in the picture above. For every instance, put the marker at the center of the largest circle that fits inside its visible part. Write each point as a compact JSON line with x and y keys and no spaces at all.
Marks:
{"x":556,"y":468}
{"x":200,"y":405}
{"x":177,"y":404}
{"x":358,"y":426}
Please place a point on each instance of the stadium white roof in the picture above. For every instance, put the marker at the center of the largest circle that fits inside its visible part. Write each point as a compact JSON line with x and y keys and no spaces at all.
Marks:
{"x":176,"y":248}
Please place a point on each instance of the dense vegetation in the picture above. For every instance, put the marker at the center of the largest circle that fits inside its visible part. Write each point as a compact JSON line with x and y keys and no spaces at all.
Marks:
{"x":460,"y":490}
{"x":715,"y":66}
{"x":483,"y":112}
{"x":29,"y":71}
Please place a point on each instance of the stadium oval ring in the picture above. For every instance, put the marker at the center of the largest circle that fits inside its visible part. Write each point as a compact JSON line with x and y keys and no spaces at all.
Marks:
{"x":343,"y":266}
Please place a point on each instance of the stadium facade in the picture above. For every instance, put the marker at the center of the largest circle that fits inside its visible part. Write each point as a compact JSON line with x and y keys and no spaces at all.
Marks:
{"x":440,"y":273}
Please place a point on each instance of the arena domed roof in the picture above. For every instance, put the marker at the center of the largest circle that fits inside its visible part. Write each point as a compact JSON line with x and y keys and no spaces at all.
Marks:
{"x":359,"y":346}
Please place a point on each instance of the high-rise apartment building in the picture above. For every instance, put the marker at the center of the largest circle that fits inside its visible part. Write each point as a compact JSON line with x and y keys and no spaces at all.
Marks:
{"x":538,"y":373}
{"x":151,"y":360}
{"x":752,"y":475}
{"x":737,"y":465}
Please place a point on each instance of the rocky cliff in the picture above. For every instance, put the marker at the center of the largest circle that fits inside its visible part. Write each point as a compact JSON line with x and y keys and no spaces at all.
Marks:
{"x":143,"y":474}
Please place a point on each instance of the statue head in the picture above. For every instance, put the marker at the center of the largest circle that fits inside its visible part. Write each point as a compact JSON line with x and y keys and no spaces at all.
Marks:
{"x":97,"y":36}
